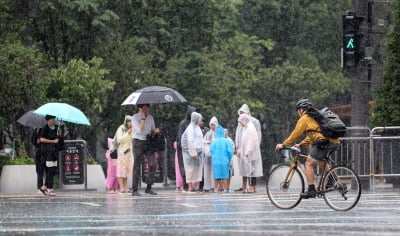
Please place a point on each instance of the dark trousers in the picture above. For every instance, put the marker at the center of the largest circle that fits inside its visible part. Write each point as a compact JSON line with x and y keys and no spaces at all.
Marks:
{"x":252,"y":181}
{"x":50,"y":173}
{"x":40,"y":168}
{"x":182,"y":167}
{"x":140,"y":148}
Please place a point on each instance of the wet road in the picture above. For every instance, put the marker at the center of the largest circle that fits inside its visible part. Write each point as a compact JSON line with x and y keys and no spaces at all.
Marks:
{"x":170,"y":213}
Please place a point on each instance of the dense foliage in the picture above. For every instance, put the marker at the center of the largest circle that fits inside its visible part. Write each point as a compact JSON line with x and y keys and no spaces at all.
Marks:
{"x":218,"y":54}
{"x":387,"y":106}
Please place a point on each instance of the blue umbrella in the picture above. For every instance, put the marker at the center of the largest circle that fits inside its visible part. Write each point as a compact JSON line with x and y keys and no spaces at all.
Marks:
{"x":64,"y":112}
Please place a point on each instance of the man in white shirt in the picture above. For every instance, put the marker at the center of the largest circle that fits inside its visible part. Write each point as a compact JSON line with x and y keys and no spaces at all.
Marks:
{"x":142,"y":125}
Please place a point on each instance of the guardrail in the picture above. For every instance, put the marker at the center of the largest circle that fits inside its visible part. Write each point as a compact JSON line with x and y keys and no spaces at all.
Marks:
{"x":372,"y":155}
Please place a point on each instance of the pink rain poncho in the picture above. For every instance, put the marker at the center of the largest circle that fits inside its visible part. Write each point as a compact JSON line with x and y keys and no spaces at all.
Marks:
{"x":111,"y":180}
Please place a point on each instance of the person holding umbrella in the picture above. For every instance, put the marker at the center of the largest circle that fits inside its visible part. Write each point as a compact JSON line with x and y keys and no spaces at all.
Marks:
{"x":142,"y":125}
{"x":50,"y":137}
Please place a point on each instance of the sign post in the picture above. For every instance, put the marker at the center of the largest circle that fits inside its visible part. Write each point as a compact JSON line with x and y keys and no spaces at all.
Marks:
{"x":73,"y":167}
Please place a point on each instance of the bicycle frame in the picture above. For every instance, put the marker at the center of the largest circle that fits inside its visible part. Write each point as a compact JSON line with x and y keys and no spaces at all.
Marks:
{"x":297,"y":164}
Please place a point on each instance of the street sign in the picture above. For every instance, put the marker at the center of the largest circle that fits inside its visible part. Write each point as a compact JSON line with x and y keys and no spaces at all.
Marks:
{"x":72,"y":162}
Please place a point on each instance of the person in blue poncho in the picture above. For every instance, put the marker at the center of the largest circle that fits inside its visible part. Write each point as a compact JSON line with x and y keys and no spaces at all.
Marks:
{"x":221,"y":151}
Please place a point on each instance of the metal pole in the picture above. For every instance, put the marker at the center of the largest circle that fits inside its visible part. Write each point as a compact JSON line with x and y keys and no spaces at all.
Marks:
{"x":85,"y":162}
{"x":165,"y":161}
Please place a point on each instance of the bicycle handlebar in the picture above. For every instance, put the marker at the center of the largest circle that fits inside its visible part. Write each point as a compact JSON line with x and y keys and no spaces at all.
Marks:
{"x":292,"y":148}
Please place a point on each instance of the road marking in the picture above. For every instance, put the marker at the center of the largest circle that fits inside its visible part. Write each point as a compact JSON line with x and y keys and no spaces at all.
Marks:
{"x":188,"y":205}
{"x":91,"y":204}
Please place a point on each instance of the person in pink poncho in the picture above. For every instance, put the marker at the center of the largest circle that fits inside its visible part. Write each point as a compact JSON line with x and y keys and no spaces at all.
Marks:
{"x":111,"y":180}
{"x":178,"y":176}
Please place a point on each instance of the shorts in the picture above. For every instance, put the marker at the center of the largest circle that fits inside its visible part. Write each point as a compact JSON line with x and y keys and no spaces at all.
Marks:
{"x":320,"y":152}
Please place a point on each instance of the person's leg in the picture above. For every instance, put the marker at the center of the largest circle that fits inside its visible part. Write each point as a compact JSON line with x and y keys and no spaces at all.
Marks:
{"x":152,"y":170}
{"x":244,"y":184}
{"x":253,"y":184}
{"x":50,"y":173}
{"x":207,"y":174}
{"x":182,"y":168}
{"x":225,"y":185}
{"x":310,"y":175}
{"x":138,"y":156}
{"x":121,"y":184}
{"x":216,"y":183}
{"x":125,"y":181}
{"x":40,"y":168}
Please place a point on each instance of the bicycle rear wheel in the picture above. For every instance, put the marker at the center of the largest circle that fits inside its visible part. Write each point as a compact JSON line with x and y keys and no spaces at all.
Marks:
{"x":342,"y":188}
{"x":284,"y":193}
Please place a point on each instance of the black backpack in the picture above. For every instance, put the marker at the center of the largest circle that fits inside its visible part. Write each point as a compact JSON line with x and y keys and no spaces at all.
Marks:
{"x":329,"y":122}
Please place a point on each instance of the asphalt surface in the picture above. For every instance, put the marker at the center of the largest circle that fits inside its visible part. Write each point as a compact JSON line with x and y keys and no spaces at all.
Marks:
{"x":170,"y":213}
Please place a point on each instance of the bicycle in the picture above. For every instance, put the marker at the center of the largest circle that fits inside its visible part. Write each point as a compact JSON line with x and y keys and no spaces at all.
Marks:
{"x":340,"y":186}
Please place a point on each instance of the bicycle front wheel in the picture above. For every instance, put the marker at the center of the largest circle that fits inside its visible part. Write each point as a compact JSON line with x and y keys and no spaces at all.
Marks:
{"x":284,"y":186}
{"x":342,"y":188}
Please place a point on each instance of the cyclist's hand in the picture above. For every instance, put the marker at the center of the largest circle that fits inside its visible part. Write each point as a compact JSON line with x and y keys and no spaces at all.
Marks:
{"x":278,"y":146}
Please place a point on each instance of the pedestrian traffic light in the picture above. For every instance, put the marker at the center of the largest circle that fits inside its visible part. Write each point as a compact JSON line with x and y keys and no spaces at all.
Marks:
{"x":351,"y":39}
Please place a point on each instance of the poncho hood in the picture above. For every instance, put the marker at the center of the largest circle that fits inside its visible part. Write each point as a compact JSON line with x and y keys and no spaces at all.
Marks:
{"x":244,"y":108}
{"x":219,"y":132}
{"x":214,"y":121}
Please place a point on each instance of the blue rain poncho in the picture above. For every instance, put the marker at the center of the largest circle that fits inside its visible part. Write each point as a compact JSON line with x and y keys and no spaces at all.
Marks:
{"x":221,"y":151}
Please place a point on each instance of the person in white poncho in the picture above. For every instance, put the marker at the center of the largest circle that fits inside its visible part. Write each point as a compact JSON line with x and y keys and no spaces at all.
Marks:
{"x":192,"y":147}
{"x":248,"y":151}
{"x":207,"y":163}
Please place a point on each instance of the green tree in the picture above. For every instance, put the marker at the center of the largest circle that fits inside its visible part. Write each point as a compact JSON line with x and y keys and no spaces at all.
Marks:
{"x":82,"y":85}
{"x":387,"y":106}
{"x":69,"y":29}
{"x":22,"y":81}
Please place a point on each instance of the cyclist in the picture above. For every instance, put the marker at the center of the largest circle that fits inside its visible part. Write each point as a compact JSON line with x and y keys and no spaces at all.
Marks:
{"x":321,"y":147}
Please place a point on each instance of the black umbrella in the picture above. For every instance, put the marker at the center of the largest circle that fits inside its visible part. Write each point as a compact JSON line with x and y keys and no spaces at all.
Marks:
{"x":154,"y":95}
{"x":32,"y":120}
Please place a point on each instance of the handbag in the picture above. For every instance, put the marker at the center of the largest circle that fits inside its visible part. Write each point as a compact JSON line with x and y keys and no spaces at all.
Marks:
{"x":114,"y":154}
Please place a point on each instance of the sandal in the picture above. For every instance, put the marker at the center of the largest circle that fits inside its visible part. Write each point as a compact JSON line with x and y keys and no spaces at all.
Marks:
{"x":52,"y":194}
{"x":44,"y":191}
{"x":250,"y":191}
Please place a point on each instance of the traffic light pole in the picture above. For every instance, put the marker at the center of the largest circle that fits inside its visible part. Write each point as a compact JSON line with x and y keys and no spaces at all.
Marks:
{"x":366,"y":72}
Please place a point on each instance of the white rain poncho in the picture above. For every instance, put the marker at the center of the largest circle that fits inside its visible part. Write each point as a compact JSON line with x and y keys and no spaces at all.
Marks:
{"x":246,"y":110}
{"x":208,"y":170}
{"x":250,"y":163}
{"x":192,"y":146}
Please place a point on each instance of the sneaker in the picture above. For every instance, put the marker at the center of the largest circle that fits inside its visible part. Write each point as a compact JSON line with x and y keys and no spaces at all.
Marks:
{"x":193,"y":190}
{"x":136,"y":193}
{"x":238,"y":190}
{"x":151,"y":192}
{"x":308,"y":194}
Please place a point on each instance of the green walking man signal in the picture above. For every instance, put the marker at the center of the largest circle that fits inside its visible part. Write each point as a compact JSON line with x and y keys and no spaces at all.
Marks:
{"x":350,"y":44}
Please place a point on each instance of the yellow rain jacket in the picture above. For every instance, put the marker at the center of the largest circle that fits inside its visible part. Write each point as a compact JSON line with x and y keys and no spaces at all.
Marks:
{"x":306,"y":124}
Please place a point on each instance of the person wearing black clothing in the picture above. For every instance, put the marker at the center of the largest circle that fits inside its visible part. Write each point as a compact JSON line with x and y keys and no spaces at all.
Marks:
{"x":39,"y":161}
{"x":50,"y":139}
{"x":183,"y":124}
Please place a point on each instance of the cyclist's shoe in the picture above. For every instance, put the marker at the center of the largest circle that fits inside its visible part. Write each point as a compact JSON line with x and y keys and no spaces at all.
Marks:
{"x":308,"y":194}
